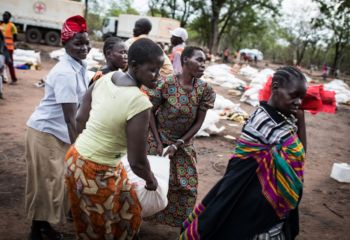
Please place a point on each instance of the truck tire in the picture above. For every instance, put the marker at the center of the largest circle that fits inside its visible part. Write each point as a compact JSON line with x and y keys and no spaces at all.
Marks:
{"x":52,"y":38}
{"x":33,"y":35}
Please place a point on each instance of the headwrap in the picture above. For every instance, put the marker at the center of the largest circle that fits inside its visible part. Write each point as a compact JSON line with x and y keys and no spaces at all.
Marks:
{"x":71,"y":26}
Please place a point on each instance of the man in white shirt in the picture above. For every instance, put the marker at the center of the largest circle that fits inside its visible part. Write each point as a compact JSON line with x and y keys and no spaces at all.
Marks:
{"x":142,"y":28}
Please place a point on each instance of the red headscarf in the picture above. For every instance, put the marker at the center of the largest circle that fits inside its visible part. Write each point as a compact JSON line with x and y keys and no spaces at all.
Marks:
{"x":71,"y":26}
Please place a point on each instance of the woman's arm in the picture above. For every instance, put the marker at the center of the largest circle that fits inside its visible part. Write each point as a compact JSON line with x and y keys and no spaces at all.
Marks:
{"x":190,"y":133}
{"x":69,"y":111}
{"x":153,"y":125}
{"x":137,"y":133}
{"x":84,"y":110}
{"x":301,"y":128}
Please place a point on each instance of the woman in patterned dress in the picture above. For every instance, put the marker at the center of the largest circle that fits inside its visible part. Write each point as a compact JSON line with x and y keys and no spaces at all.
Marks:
{"x":180,"y":103}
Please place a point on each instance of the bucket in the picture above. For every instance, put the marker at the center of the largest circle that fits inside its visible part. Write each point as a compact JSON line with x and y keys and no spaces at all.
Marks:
{"x":341,"y":172}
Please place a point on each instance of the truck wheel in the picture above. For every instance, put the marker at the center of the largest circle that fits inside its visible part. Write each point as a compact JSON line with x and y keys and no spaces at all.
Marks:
{"x":33,"y":35}
{"x":52,"y":38}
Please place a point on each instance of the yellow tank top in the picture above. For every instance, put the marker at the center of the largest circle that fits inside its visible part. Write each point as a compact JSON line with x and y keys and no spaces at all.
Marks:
{"x":104,"y":139}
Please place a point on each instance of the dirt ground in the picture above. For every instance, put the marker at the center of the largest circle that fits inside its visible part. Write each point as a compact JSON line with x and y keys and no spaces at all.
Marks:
{"x":324,"y":210}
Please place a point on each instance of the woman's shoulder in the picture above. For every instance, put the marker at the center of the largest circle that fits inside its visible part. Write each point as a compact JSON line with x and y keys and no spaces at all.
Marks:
{"x":168,"y":80}
{"x":104,"y":80}
{"x":204,"y":84}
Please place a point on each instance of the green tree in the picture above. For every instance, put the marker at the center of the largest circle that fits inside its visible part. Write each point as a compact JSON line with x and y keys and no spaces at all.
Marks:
{"x":335,"y":18}
{"x":181,"y":10}
{"x":122,"y":6}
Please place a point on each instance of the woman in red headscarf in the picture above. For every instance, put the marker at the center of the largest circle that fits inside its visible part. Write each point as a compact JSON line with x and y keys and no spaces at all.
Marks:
{"x":51,"y":130}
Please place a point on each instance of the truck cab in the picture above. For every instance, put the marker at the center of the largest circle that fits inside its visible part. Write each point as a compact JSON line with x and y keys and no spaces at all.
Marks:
{"x":109,"y":27}
{"x":41,"y":21}
{"x":123,"y":25}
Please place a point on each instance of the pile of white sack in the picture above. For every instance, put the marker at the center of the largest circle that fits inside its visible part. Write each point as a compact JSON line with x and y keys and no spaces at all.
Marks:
{"x":220,"y":74}
{"x":213,"y":116}
{"x":93,"y":58}
{"x":248,"y":71}
{"x":30,"y":57}
{"x":341,"y":89}
{"x":259,"y":79}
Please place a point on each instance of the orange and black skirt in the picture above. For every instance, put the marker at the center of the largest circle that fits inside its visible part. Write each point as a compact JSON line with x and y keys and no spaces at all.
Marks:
{"x":103,"y":202}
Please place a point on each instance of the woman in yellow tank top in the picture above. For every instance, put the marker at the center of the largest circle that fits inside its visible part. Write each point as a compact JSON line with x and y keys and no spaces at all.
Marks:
{"x":113,"y":120}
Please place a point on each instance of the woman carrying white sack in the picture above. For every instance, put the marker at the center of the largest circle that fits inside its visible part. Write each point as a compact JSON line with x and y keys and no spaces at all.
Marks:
{"x":115,"y":117}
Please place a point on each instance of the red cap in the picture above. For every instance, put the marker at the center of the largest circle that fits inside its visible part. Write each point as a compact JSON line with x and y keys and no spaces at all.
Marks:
{"x":73,"y":25}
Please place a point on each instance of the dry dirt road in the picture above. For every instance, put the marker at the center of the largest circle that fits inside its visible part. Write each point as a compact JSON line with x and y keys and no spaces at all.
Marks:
{"x":324,"y":210}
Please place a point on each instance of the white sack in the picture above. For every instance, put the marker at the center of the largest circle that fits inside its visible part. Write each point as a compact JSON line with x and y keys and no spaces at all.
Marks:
{"x":151,"y":201}
{"x":222,"y":103}
{"x":21,"y":57}
{"x":92,"y":58}
{"x":248,"y":71}
{"x":221,"y":74}
{"x":209,"y":124}
{"x":341,"y":89}
{"x":251,"y":95}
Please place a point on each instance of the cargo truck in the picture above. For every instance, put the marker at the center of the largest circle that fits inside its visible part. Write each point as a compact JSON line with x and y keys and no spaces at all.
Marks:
{"x":123,"y":25}
{"x":42,"y":20}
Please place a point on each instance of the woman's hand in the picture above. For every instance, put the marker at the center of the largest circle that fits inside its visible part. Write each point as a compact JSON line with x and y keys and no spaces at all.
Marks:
{"x":152,"y":185}
{"x":171,"y":150}
{"x":160,"y":149}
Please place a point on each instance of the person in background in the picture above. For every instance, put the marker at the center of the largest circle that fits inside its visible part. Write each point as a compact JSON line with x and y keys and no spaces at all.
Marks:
{"x":259,"y":194}
{"x":324,"y":72}
{"x":255,"y":60}
{"x":116,"y":54}
{"x":226,"y":54}
{"x":178,"y":39}
{"x":180,"y":103}
{"x":113,"y":120}
{"x":4,"y":57}
{"x":51,"y":129}
{"x":9,"y":31}
{"x":142,"y":28}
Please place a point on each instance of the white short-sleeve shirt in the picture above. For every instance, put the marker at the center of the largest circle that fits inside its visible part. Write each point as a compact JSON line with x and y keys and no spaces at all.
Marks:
{"x":66,"y":83}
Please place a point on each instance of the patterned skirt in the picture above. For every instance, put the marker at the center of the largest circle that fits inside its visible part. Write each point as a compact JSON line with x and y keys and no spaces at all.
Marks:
{"x":183,"y":184}
{"x":104,"y":204}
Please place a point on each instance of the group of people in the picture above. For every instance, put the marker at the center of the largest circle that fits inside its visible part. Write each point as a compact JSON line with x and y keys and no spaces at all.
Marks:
{"x":8,"y":36}
{"x":140,"y":103}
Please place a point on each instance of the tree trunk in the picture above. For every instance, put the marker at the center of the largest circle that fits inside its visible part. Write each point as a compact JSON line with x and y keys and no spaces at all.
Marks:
{"x":336,"y":58}
{"x":86,"y":8}
{"x":214,"y":27}
{"x":300,"y":55}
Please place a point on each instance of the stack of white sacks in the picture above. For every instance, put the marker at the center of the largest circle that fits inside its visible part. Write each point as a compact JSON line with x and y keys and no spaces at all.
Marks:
{"x":220,"y":74}
{"x":341,"y":89}
{"x":251,"y":95}
{"x":93,"y":58}
{"x":21,"y":57}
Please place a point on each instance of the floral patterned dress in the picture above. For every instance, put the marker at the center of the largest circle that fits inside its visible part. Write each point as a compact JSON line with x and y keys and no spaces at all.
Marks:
{"x":176,"y":111}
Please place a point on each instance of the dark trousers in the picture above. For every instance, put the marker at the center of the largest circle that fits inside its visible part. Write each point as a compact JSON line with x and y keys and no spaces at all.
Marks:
{"x":10,"y":66}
